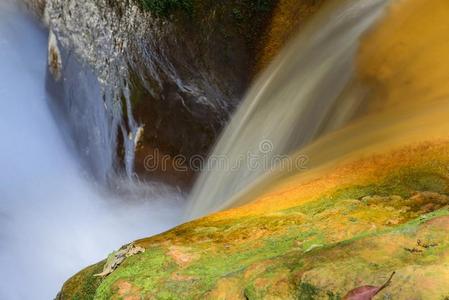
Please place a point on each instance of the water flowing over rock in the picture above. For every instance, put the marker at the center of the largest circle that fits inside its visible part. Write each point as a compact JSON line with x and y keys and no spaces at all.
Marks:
{"x":95,"y":90}
{"x":307,"y":92}
{"x":54,"y":218}
{"x":368,"y":219}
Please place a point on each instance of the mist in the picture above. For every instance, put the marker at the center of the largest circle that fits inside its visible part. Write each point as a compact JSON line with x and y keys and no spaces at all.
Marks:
{"x":54,"y":219}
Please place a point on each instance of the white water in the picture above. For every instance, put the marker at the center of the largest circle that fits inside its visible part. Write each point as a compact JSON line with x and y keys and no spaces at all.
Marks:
{"x":53,"y":219}
{"x":306,"y":92}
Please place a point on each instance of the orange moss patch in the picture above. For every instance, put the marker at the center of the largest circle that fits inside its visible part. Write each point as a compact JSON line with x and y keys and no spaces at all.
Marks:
{"x":183,"y":256}
{"x":304,"y":188}
{"x":126,"y":291}
{"x":179,"y":277}
{"x":226,"y":288}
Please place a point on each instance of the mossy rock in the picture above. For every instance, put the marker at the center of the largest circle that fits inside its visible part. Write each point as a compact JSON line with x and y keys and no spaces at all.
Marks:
{"x":316,"y":246}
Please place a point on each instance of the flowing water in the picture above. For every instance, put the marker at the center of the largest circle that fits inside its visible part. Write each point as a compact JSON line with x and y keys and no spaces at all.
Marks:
{"x":54,"y":219}
{"x":306,"y":92}
{"x":401,"y":68}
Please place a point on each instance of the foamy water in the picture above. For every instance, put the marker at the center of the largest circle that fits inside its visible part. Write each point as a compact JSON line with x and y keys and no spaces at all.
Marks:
{"x":53,"y":219}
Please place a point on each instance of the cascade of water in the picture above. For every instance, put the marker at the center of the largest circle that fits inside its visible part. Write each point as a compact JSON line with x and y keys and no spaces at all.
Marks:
{"x":53,"y":220}
{"x":94,"y":104}
{"x":291,"y":104}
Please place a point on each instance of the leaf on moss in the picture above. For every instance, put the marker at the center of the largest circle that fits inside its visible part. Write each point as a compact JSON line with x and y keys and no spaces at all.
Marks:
{"x":117,"y":257}
{"x":367,"y":292}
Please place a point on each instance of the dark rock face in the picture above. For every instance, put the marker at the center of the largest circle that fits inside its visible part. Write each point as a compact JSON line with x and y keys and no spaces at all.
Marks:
{"x":197,"y":68}
{"x":187,"y":90}
{"x":173,"y":79}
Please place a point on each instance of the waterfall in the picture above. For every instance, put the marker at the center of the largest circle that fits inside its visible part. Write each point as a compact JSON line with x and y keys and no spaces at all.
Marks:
{"x":121,"y":49}
{"x":306,"y":92}
{"x":54,"y":219}
{"x":94,"y":97}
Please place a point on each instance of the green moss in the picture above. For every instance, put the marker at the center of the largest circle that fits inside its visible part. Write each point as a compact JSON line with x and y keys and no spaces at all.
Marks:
{"x":402,"y":183}
{"x":332,"y":296}
{"x":167,"y":7}
{"x":136,"y":269}
{"x":151,"y":271}
{"x":83,"y":285}
{"x":286,"y":242}
{"x":307,"y":292}
{"x":237,"y":13}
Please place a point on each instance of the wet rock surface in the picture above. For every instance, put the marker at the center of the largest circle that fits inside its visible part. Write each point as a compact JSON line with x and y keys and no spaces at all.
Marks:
{"x":178,"y":77}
